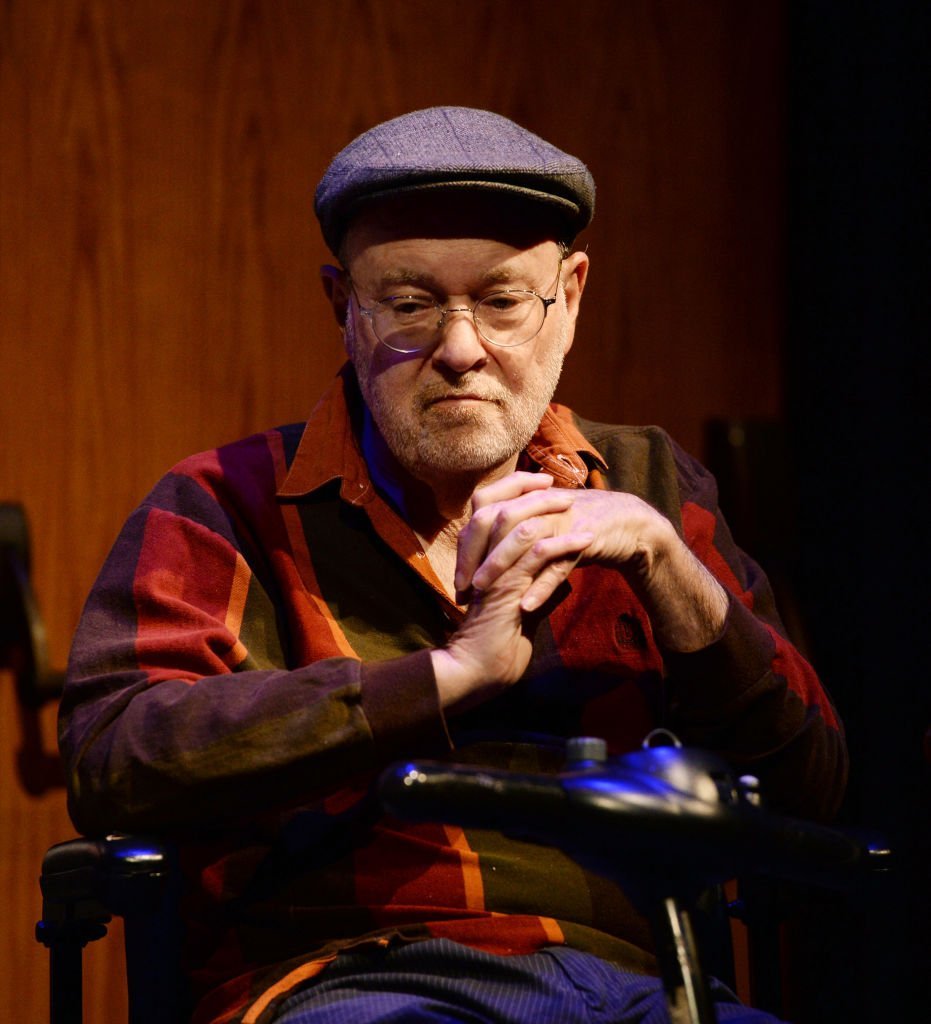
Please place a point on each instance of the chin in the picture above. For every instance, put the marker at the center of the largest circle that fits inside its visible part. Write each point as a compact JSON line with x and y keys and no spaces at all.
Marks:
{"x":450,"y":455}
{"x":466,"y":444}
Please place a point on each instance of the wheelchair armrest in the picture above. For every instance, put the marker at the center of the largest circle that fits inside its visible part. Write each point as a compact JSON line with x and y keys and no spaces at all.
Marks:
{"x":665,"y":814}
{"x":84,"y":883}
{"x":88,"y":880}
{"x":664,"y":822}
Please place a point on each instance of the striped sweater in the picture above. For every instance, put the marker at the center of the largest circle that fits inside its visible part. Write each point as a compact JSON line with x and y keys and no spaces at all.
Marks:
{"x":256,"y":649}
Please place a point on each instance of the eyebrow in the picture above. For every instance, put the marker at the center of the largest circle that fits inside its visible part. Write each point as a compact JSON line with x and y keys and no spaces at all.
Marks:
{"x":409,"y":276}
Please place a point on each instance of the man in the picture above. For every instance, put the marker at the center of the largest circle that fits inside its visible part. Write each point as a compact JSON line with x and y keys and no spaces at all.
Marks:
{"x":440,"y":562}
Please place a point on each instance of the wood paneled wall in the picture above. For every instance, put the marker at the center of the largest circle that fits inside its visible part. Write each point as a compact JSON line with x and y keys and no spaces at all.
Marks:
{"x":159,"y":255}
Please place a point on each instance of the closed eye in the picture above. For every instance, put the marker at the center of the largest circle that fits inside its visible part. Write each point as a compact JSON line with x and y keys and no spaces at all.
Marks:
{"x":408,"y":305}
{"x":503,"y":302}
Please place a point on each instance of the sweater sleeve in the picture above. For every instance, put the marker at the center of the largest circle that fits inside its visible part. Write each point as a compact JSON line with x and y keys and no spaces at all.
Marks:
{"x":185,"y":700}
{"x":752,"y":695}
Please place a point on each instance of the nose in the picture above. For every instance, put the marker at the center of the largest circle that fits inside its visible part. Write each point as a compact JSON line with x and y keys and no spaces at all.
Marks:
{"x":460,"y":346}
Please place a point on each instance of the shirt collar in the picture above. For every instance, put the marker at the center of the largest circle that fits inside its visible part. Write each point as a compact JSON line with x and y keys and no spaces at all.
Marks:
{"x":559,"y":448}
{"x":329,"y":447}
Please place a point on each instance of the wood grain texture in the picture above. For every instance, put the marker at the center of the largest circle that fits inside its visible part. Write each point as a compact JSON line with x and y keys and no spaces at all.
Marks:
{"x":159,"y":256}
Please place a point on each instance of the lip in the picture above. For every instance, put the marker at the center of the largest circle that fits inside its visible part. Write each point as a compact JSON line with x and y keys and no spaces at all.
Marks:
{"x":442,"y":399}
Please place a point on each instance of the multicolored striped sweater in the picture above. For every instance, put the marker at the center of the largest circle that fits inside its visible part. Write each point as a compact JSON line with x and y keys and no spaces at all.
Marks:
{"x":256,"y":650}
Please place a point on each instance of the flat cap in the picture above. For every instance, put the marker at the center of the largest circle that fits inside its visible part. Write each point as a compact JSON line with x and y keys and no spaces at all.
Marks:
{"x":453,"y":148}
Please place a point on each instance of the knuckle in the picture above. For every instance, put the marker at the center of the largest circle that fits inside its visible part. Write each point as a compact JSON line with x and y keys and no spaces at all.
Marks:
{"x":483,"y":516}
{"x":526,"y":530}
{"x":501,"y":520}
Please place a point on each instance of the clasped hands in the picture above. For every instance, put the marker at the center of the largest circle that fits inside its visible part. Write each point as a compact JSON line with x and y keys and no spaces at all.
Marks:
{"x":523,"y":540}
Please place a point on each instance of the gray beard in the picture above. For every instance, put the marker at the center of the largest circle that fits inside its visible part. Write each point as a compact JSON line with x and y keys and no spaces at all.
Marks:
{"x":460,"y":441}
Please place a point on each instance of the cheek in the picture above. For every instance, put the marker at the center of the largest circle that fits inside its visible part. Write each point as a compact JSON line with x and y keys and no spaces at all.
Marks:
{"x":514,"y":364}
{"x":541,"y":361}
{"x":385,"y":378}
{"x":362,"y":354}
{"x":349,"y":336}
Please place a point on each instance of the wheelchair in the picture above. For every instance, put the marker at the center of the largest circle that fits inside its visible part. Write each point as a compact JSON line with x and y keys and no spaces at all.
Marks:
{"x":666,"y":822}
{"x":669,"y":824}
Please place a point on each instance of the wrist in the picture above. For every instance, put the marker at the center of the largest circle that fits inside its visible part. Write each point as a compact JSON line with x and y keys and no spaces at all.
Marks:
{"x":454,"y":680}
{"x":688,"y":606}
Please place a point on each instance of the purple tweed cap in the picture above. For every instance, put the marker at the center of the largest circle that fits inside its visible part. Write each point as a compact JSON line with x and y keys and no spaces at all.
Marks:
{"x":453,"y":147}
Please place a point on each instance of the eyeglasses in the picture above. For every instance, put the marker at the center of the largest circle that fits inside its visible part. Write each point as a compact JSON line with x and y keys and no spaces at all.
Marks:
{"x":412,"y":323}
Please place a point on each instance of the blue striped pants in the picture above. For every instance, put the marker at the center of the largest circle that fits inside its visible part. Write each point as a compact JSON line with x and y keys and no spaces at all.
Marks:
{"x":438,"y":980}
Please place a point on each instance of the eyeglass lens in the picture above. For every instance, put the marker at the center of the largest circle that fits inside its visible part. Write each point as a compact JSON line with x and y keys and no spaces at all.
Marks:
{"x":407,"y":323}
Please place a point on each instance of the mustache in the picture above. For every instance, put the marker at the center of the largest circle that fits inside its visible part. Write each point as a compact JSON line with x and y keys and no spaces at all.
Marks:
{"x":471,"y":386}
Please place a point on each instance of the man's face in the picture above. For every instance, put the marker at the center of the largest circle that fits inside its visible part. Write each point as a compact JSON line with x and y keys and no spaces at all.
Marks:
{"x":465,"y":406}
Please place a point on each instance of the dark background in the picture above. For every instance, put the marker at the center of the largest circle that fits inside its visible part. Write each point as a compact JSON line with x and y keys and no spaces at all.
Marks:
{"x":857,"y":331}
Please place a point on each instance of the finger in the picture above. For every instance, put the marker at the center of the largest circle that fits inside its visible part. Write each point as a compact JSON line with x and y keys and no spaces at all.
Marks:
{"x":508,"y":525}
{"x":500,"y":520}
{"x":492,"y":524}
{"x":503,"y":554}
{"x":557,"y":557}
{"x":511,"y":486}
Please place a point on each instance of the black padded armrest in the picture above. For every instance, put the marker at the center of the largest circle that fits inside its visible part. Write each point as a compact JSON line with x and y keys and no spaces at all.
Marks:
{"x":667,"y":812}
{"x":98,"y":877}
{"x":84,"y":883}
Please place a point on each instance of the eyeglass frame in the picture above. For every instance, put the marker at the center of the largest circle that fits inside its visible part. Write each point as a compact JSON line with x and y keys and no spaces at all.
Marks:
{"x":444,"y":312}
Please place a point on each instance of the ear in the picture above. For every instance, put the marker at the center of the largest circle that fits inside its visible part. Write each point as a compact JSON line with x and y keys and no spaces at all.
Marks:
{"x":336,"y":287}
{"x":575,"y":274}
